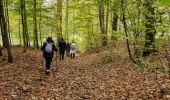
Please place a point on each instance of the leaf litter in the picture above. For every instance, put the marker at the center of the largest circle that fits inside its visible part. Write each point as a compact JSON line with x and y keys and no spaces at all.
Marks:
{"x":83,"y":78}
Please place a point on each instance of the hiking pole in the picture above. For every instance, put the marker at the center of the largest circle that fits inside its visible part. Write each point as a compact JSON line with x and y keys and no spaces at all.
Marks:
{"x":42,"y":62}
{"x":56,"y":60}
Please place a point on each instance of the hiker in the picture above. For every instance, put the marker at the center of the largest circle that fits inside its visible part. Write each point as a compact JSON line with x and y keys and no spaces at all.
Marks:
{"x":68,"y":49}
{"x":62,"y":48}
{"x":72,"y":50}
{"x":48,"y":49}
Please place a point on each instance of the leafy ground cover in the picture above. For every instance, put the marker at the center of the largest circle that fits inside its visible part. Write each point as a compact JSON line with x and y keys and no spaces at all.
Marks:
{"x":85,"y":77}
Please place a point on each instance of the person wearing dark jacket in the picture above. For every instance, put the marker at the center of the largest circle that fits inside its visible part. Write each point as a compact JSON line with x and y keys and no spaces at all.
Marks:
{"x":48,"y":49}
{"x":62,"y":48}
{"x":67,"y":49}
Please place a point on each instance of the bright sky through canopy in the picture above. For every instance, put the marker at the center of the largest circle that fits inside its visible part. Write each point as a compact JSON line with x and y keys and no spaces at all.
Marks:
{"x":47,"y":1}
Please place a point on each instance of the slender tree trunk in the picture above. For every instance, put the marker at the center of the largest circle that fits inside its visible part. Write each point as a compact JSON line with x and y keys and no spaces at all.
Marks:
{"x":35,"y":25}
{"x":102,"y":26}
{"x":115,"y":20}
{"x":114,"y":26}
{"x":2,"y":34}
{"x":26,"y":29}
{"x":41,"y":2}
{"x":59,"y":19}
{"x":66,"y":21}
{"x":23,"y":17}
{"x":125,"y":28}
{"x":74,"y":25}
{"x":27,"y":35}
{"x":107,"y":15}
{"x":0,"y":51}
{"x":19,"y":22}
{"x":150,"y":28}
{"x":7,"y":20}
{"x":4,"y":24}
{"x":0,"y":45}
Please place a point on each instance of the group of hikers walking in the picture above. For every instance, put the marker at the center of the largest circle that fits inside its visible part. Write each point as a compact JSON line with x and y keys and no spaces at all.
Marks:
{"x":49,"y":48}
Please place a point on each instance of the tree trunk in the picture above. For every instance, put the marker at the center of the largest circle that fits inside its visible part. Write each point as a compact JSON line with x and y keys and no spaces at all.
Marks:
{"x":2,"y":34}
{"x":107,"y":15}
{"x":4,"y":24}
{"x":26,"y":29}
{"x":115,"y":17}
{"x":41,"y":2}
{"x":150,"y":28}
{"x":59,"y":19}
{"x":35,"y":26}
{"x":0,"y":45}
{"x":19,"y":27}
{"x":0,"y":51}
{"x":125,"y":28}
{"x":114,"y":26}
{"x":74,"y":25}
{"x":24,"y":25}
{"x":66,"y":22}
{"x":7,"y":19}
{"x":102,"y":26}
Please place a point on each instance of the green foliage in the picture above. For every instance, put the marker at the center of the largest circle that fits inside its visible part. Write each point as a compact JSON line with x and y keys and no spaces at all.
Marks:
{"x":109,"y":57}
{"x":83,"y":20}
{"x":163,"y":70}
{"x":140,"y":63}
{"x":163,"y":3}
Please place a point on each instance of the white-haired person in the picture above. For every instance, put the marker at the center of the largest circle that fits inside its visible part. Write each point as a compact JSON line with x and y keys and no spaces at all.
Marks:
{"x":73,"y":50}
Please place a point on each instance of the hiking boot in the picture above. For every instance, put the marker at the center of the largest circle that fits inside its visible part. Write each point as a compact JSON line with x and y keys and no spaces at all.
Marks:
{"x":47,"y":72}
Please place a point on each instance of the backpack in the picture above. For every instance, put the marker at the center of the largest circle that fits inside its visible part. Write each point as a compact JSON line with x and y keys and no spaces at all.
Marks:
{"x":73,"y":47}
{"x":49,"y":48}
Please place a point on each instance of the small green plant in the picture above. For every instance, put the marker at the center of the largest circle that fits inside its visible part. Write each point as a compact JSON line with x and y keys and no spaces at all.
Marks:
{"x":109,"y":57}
{"x":163,"y":69}
{"x":140,"y":63}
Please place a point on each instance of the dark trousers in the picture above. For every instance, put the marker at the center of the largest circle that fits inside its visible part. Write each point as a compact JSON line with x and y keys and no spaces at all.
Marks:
{"x":72,"y":55}
{"x":68,"y":53}
{"x":62,"y":54}
{"x":48,"y":62}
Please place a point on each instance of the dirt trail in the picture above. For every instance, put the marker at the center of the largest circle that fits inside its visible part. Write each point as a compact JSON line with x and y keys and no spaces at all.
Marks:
{"x":82,"y":78}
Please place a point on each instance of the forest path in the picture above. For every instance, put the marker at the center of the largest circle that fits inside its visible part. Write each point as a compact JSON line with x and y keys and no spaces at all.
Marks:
{"x":85,"y":77}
